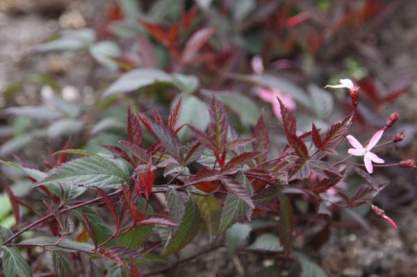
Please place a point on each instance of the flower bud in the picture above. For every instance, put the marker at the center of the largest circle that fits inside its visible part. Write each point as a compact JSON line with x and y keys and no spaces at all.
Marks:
{"x":399,"y":137}
{"x":410,"y":163}
{"x":392,"y":119}
{"x":354,"y":95}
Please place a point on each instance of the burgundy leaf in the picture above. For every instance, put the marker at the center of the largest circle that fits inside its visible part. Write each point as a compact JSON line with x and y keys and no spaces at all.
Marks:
{"x":261,"y":142}
{"x":131,"y":205}
{"x":137,"y":151}
{"x":195,"y":43}
{"x":218,"y":127}
{"x":120,"y":153}
{"x":327,"y":183}
{"x":169,"y":140}
{"x":288,"y":120}
{"x":316,"y":136}
{"x":335,"y":134}
{"x":202,"y":137}
{"x":239,"y":160}
{"x":134,"y":130}
{"x":299,"y":146}
{"x":173,"y":116}
{"x":238,"y":190}
{"x":145,"y":181}
{"x":111,"y":206}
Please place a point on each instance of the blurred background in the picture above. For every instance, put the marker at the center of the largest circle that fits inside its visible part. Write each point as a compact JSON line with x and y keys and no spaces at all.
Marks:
{"x":58,"y":57}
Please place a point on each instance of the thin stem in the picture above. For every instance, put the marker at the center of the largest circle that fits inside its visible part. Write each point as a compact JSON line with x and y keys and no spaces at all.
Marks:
{"x":190,"y":258}
{"x":51,"y":215}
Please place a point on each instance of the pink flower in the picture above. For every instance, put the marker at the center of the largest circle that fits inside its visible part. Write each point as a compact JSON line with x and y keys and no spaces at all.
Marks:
{"x":270,"y":96}
{"x":368,"y":156}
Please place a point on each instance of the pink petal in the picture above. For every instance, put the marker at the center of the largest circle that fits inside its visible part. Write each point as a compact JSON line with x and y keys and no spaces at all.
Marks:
{"x":356,"y":152}
{"x":373,"y":157}
{"x":266,"y":94}
{"x":368,"y":164}
{"x":354,"y":142}
{"x":375,"y":139}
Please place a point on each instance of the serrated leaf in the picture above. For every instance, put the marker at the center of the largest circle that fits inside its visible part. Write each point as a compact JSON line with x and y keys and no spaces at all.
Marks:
{"x":92,"y":171}
{"x":239,"y":190}
{"x":266,"y":242}
{"x":233,"y":210}
{"x":175,"y":205}
{"x":243,"y":106}
{"x":13,"y":263}
{"x":186,"y":231}
{"x":133,"y":238}
{"x":335,"y":134}
{"x":58,"y":243}
{"x":100,"y":231}
{"x":61,"y":264}
{"x":210,"y":210}
{"x":236,"y":236}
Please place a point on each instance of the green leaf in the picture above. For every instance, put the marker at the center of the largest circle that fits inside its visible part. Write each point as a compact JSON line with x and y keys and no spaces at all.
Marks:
{"x":101,"y":231}
{"x":34,"y":112}
{"x":4,"y":234}
{"x":322,"y":101}
{"x":30,"y":172}
{"x":69,"y":40}
{"x":56,"y":243}
{"x":195,"y":112}
{"x":210,"y":210}
{"x":109,"y":123}
{"x":236,"y":236}
{"x":133,"y":238}
{"x":186,"y":83}
{"x":92,"y":171}
{"x":143,"y":77}
{"x":233,"y":209}
{"x":243,"y":106}
{"x":17,"y":143}
{"x":242,"y":8}
{"x":310,"y":269}
{"x":104,"y":52}
{"x":266,"y":242}
{"x":65,"y":127}
{"x":13,"y":263}
{"x":175,"y":205}
{"x":62,"y":265}
{"x":186,"y":231}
